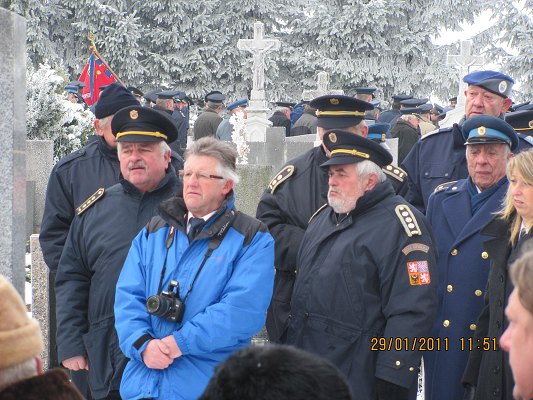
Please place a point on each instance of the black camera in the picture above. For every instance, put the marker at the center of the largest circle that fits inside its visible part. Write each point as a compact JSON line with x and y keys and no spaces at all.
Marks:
{"x":167,"y":304}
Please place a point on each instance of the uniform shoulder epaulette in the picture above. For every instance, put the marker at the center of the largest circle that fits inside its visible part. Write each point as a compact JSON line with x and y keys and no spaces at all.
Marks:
{"x":444,"y":186}
{"x":90,"y":201}
{"x":281,"y":176}
{"x":317,"y":212}
{"x":408,"y":220}
{"x":435,"y":132}
{"x":395,"y":172}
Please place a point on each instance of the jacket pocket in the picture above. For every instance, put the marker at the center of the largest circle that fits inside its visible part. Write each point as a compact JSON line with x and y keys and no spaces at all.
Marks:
{"x":101,"y":343}
{"x":441,"y":170}
{"x":332,"y":339}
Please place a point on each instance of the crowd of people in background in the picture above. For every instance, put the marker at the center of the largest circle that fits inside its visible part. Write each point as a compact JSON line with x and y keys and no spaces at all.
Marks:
{"x":374,"y":280}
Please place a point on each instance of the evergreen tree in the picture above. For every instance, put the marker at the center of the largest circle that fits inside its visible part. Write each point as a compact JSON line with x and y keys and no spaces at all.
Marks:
{"x":49,"y":115}
{"x":509,"y":43}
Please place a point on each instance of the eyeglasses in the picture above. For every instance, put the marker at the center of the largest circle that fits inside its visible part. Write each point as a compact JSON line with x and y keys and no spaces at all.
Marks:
{"x":201,"y":176}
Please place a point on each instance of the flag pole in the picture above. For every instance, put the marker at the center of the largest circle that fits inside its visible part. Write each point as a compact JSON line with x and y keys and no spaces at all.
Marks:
{"x":94,"y":50}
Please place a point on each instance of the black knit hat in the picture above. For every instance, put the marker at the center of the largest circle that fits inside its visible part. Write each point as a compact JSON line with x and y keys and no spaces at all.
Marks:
{"x":113,"y":98}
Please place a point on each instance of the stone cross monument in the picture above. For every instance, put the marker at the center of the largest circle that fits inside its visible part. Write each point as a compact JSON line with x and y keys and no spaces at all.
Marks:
{"x":322,"y":88}
{"x":257,"y":122}
{"x":464,"y":60}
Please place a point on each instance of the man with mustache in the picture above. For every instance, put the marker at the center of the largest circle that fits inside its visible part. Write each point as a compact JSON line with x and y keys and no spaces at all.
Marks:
{"x":365,"y":291}
{"x":98,"y":242}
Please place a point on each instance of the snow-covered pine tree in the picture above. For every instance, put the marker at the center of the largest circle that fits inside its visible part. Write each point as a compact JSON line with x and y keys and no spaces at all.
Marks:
{"x":49,"y":115}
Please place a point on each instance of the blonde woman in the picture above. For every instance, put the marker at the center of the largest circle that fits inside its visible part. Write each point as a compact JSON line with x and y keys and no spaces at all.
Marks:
{"x":488,"y":374}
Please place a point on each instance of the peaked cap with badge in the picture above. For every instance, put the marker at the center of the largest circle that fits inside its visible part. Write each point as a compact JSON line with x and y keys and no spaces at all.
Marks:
{"x":378,"y":131}
{"x":143,"y":124}
{"x":494,"y":82}
{"x":484,"y":129}
{"x":237,"y":103}
{"x":521,"y":121}
{"x":348,"y":148}
{"x":339,"y":111}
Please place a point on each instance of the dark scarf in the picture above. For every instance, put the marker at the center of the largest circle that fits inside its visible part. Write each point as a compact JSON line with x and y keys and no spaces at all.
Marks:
{"x":477,"y":200}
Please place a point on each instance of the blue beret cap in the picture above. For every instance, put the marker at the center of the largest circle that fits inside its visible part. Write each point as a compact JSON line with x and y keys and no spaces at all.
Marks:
{"x":237,"y":103}
{"x":215,"y":97}
{"x":113,"y":98}
{"x":521,"y":120}
{"x":494,"y":82}
{"x":349,"y":148}
{"x":143,"y":124}
{"x":339,"y":111}
{"x":379,"y":131}
{"x":482,"y":129}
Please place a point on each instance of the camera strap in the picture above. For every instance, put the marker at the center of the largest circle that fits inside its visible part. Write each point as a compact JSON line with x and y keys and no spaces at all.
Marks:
{"x":214,"y":242}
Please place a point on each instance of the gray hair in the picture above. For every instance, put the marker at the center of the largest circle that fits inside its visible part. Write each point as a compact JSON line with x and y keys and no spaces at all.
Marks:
{"x":222,"y":151}
{"x":104,"y":122}
{"x":214,"y":106}
{"x":165,"y":148}
{"x":18,"y":372}
{"x":366,"y":167}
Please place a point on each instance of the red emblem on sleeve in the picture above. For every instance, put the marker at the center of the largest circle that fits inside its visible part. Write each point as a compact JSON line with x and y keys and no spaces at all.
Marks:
{"x":418,"y":272}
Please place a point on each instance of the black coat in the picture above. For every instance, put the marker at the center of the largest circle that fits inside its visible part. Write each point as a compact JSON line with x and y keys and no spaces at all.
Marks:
{"x":73,"y":180}
{"x":489,"y":371}
{"x":293,"y":196}
{"x":96,"y":247}
{"x":361,"y":276}
{"x":279,"y":119}
{"x":407,"y":136}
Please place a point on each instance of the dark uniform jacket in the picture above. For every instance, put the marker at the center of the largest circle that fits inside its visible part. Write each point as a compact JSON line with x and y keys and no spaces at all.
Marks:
{"x":361,"y":276}
{"x":437,"y":158}
{"x":52,"y":385}
{"x":90,"y":265}
{"x":182,"y":121}
{"x":286,"y":207}
{"x":489,"y":371}
{"x":390,"y":116}
{"x":206,"y":124}
{"x":307,"y":120}
{"x":73,"y":180}
{"x":463,"y":269}
{"x":407,"y":136}
{"x":279,"y":119}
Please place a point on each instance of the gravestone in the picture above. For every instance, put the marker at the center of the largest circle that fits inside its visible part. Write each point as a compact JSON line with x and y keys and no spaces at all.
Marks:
{"x":39,"y":163}
{"x":257,"y":122}
{"x":13,"y":146}
{"x":40,"y":295}
{"x":254,"y":180}
{"x":322,"y":88}
{"x":464,"y":60}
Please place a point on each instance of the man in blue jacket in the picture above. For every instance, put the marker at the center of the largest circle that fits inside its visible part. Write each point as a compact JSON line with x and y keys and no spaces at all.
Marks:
{"x":457,"y":211}
{"x":99,"y":240}
{"x":196,"y":284}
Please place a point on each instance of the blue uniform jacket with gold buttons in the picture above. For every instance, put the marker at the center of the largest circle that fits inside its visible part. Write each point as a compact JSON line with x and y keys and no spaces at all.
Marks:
{"x":463,"y":268}
{"x":368,"y":275}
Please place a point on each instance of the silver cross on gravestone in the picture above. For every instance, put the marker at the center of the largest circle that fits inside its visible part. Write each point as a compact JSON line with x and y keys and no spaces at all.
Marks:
{"x":464,"y":60}
{"x":259,"y":47}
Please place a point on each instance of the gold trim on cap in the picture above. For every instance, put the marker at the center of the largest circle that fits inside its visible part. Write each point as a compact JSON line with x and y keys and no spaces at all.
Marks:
{"x":351,"y":152}
{"x":339,"y":113}
{"x":142,"y":133}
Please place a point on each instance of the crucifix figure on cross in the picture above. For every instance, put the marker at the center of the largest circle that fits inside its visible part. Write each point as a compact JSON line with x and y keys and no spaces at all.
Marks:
{"x":259,"y":47}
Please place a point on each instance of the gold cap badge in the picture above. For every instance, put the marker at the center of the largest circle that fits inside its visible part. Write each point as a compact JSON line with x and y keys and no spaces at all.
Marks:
{"x":134,"y":114}
{"x":334,"y":101}
{"x":531,"y":123}
{"x":333,"y":137}
{"x":481,"y":130}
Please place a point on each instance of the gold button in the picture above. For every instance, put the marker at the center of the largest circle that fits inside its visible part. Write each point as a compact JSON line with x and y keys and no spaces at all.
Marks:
{"x":446,"y":323}
{"x":449,"y":288}
{"x":398,"y":363}
{"x":454,"y":252}
{"x":473,"y":327}
{"x":411,"y":369}
{"x":478,"y":293}
{"x":484,"y":255}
